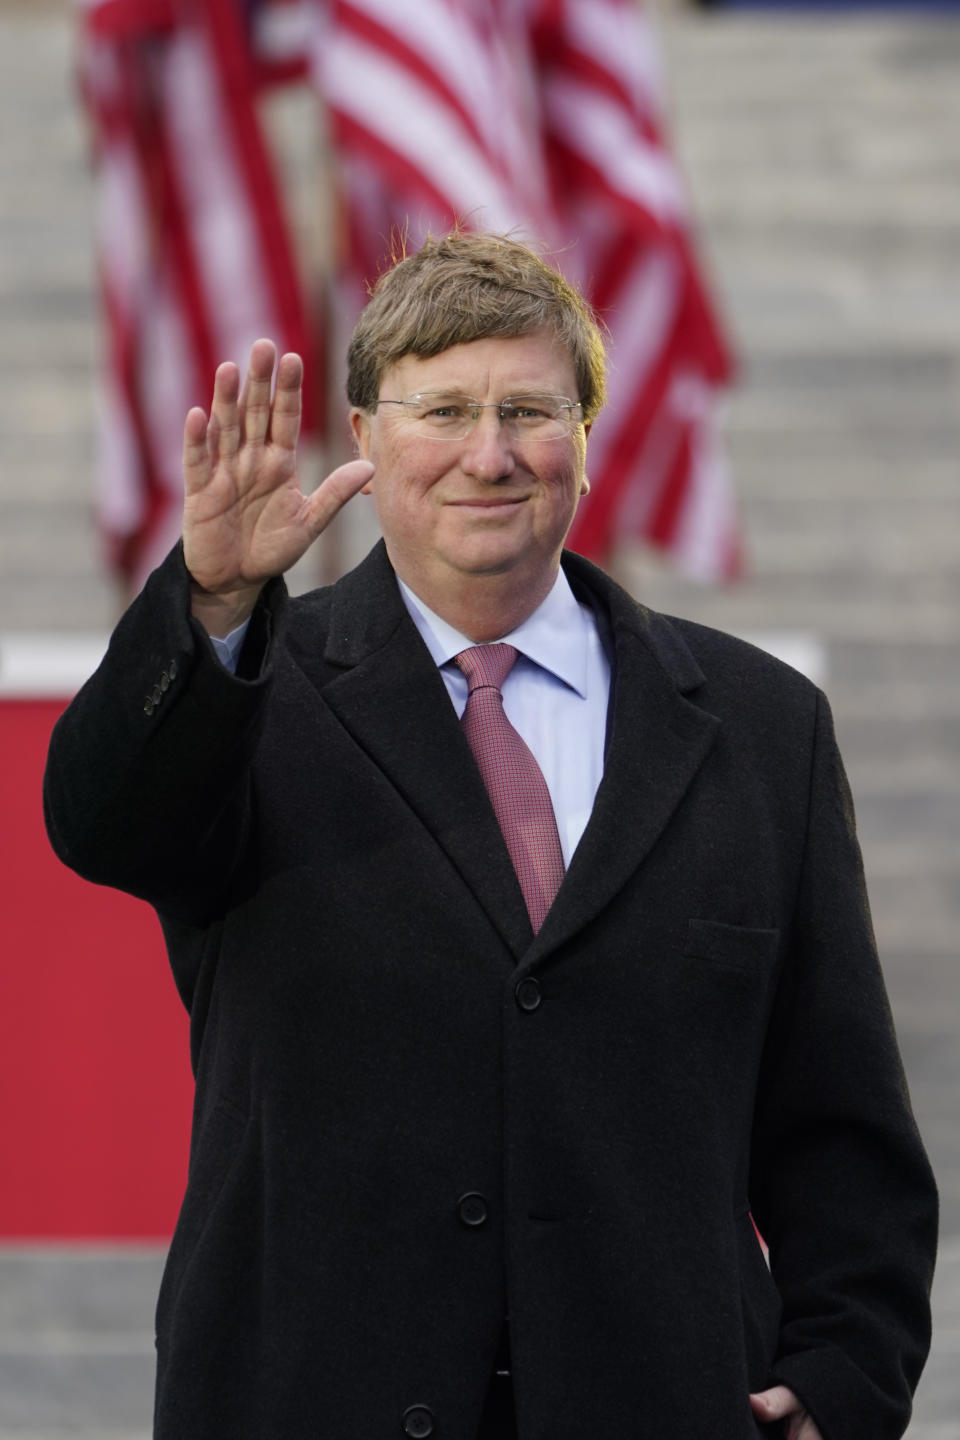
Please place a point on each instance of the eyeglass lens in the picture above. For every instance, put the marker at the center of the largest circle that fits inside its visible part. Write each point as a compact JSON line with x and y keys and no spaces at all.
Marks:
{"x":451,"y":416}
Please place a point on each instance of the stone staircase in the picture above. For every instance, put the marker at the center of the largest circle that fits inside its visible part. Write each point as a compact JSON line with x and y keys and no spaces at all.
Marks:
{"x":824,"y":159}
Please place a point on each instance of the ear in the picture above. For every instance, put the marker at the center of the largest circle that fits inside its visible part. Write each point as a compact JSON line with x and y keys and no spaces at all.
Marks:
{"x":360,"y":425}
{"x":584,"y":486}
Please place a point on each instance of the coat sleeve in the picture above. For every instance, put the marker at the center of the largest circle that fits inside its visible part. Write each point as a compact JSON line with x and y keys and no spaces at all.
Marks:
{"x":146,"y":783}
{"x":841,"y":1188}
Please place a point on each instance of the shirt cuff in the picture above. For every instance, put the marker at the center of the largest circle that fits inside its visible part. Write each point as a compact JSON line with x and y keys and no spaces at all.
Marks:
{"x":228,"y":647}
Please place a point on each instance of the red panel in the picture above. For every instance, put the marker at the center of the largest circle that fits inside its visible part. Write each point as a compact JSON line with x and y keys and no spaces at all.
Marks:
{"x":95,"y":1085}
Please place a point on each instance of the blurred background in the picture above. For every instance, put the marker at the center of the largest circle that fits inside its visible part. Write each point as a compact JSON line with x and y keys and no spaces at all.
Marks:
{"x":779,"y":266}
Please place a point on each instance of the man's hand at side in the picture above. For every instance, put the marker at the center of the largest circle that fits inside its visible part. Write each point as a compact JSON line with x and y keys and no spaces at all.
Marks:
{"x":245,"y":517}
{"x":781,"y":1404}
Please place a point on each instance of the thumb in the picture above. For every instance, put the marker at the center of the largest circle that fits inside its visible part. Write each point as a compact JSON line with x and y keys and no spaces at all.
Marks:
{"x":774,"y":1404}
{"x":334,"y":492}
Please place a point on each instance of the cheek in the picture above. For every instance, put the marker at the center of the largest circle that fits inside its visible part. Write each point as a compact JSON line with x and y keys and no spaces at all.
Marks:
{"x":400,"y":495}
{"x":409,"y":480}
{"x":567,"y":482}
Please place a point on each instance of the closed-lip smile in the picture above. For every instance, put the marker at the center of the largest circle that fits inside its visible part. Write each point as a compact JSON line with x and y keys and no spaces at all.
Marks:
{"x":490,"y":502}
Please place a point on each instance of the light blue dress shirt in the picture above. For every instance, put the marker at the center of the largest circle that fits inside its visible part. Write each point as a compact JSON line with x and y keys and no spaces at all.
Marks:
{"x":556,"y":695}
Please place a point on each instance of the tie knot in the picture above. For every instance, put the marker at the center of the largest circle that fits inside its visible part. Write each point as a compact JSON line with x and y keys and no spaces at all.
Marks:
{"x":486,"y":665}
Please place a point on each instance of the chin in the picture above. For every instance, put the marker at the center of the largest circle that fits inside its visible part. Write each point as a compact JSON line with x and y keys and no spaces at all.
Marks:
{"x":488,"y":560}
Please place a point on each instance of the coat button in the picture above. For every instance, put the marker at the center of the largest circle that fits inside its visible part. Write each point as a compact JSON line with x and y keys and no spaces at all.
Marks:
{"x":472,"y":1209}
{"x":172,"y":669}
{"x":418,"y":1422}
{"x":528,"y":995}
{"x":156,"y":695}
{"x":148,"y":706}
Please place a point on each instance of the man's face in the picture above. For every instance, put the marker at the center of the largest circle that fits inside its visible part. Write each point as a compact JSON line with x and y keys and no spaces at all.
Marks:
{"x":487,"y":504}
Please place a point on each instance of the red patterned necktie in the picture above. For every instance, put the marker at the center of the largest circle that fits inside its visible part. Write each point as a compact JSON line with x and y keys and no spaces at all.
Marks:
{"x":514,"y":780}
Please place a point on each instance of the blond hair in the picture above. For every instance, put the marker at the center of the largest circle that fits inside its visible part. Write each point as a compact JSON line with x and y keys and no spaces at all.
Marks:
{"x":467,"y":286}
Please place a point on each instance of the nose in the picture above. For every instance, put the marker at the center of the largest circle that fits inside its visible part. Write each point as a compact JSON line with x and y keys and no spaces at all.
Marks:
{"x":487,"y":451}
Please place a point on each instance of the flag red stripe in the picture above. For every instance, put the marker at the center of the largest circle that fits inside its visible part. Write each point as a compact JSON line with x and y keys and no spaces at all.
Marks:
{"x":174,"y":236}
{"x":118,"y":19}
{"x":583,"y":176}
{"x":665,"y":517}
{"x":595,"y":526}
{"x":364,"y":28}
{"x":265,"y":205}
{"x":402,"y":176}
{"x":560,"y":55}
{"x":126,"y":549}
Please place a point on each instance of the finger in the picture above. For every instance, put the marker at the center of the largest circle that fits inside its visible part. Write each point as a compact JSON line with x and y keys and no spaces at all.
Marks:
{"x":224,"y":429}
{"x":775,"y":1404}
{"x":287,"y":402}
{"x":255,"y":397}
{"x":333,"y":493}
{"x":196,"y":456}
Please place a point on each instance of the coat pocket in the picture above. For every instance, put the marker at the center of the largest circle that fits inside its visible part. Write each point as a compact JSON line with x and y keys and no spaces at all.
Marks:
{"x":740,"y":948}
{"x":760,"y":1303}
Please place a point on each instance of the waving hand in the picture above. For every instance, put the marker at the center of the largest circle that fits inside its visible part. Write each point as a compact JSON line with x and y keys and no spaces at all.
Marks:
{"x":245,"y":517}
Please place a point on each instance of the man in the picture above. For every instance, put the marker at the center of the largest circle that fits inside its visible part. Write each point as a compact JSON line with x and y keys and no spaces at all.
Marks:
{"x":475,"y":1155}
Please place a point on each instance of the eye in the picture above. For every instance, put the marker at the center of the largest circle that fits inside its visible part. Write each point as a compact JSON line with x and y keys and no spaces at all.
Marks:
{"x":529,"y":409}
{"x":440,"y":410}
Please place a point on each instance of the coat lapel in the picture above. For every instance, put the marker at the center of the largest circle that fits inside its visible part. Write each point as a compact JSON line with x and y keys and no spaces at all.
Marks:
{"x":657,"y":741}
{"x":391,"y":699}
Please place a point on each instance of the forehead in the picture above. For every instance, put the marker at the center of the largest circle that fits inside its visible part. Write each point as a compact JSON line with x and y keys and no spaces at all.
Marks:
{"x":488,"y":369}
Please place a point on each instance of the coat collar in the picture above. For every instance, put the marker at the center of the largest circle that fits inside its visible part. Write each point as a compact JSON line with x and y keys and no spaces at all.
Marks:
{"x":390,"y":697}
{"x":657,"y":739}
{"x":388,"y":694}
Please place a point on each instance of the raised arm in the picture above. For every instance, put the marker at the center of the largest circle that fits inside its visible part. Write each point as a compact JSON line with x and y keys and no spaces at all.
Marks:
{"x":163,"y":729}
{"x":245,"y":516}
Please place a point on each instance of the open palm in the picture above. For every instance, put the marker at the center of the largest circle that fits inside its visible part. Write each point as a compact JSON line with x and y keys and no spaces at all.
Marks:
{"x":245,"y":516}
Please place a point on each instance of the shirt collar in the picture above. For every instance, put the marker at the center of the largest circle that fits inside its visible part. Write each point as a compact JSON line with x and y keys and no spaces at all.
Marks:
{"x":556,"y":636}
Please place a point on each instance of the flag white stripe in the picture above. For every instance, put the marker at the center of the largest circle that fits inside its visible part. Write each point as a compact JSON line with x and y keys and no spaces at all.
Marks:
{"x":708,"y":518}
{"x":122,"y":232}
{"x":219,"y":217}
{"x":446,"y":43}
{"x":640,"y":324}
{"x":623,"y":41}
{"x":284,"y":31}
{"x":371,"y":90}
{"x":122,"y":248}
{"x":598,"y":128}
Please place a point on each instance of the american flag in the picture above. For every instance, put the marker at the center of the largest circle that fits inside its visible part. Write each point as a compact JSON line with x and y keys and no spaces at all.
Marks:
{"x":194,"y":251}
{"x":549,"y":116}
{"x":543,"y":116}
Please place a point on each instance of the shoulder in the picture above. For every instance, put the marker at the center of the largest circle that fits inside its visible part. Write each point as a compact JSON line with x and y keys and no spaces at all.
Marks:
{"x":725,"y":671}
{"x":730,"y":662}
{"x":351,"y":619}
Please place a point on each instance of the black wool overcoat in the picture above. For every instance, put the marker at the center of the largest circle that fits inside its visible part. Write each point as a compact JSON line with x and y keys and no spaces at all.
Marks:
{"x":413,"y":1117}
